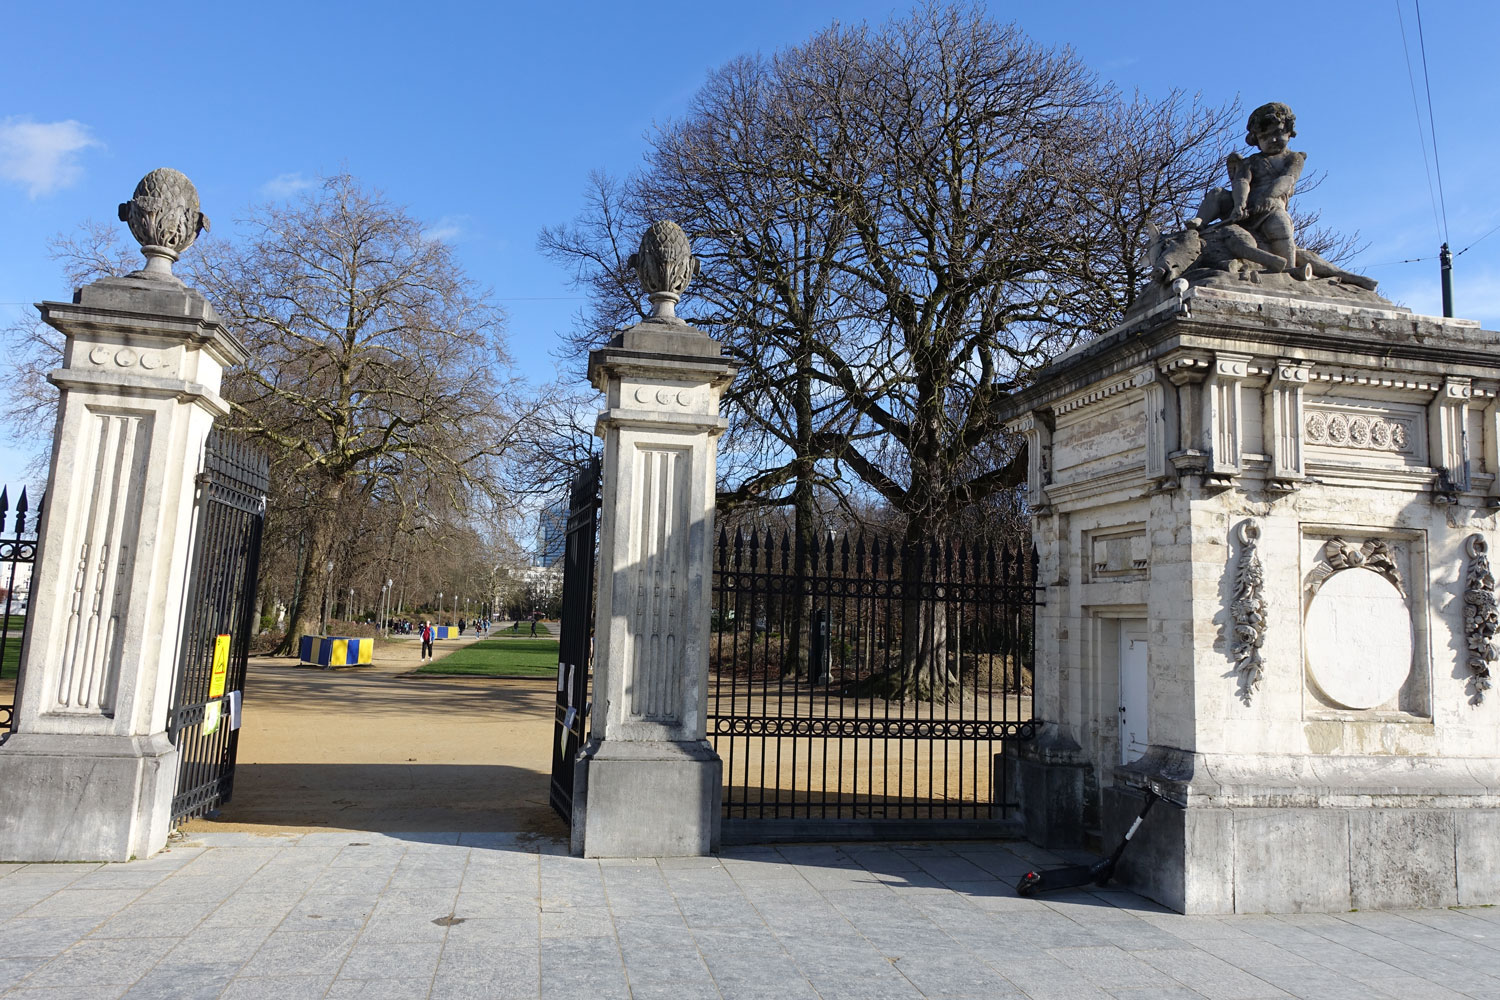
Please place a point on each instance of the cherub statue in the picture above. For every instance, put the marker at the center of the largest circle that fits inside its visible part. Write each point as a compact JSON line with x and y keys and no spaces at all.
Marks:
{"x":1250,"y":220}
{"x":1261,"y":186}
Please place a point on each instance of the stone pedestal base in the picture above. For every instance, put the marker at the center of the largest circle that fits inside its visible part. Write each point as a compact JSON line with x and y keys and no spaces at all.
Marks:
{"x":85,"y":798}
{"x":1047,"y":779}
{"x":647,"y":799}
{"x":1322,"y":834}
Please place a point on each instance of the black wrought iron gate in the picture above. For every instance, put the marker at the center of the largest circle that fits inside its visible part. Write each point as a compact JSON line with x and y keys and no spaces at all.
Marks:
{"x":575,"y":646}
{"x":868,"y":688}
{"x":204,"y":717}
{"x":17,"y":557}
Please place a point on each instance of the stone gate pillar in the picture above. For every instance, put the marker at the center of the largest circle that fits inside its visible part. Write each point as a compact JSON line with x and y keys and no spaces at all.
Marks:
{"x":648,"y":782}
{"x":1309,"y":571}
{"x":89,"y":772}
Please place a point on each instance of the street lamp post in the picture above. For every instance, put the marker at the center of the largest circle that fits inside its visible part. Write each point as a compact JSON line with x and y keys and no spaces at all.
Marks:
{"x":439,"y":610}
{"x":349,"y":608}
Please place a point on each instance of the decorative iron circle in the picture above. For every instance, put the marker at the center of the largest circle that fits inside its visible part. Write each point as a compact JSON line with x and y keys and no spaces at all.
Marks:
{"x":20,"y":552}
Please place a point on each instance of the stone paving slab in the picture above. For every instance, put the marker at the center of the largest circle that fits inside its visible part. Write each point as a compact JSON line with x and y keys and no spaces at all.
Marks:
{"x":447,"y":917}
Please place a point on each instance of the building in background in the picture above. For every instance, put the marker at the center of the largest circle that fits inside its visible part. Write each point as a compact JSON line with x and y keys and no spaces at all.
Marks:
{"x":552,"y":533}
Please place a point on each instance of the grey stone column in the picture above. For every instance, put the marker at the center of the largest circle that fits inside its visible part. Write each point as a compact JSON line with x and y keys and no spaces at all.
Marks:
{"x":89,"y":772}
{"x":649,"y":783}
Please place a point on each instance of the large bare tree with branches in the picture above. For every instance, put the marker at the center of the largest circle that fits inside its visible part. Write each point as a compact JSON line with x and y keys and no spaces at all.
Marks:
{"x":898,"y":226}
{"x":375,"y":366}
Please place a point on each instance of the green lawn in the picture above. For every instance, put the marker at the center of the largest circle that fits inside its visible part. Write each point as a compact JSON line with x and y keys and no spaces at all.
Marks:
{"x":524,"y":630}
{"x":10,"y":663}
{"x":521,"y":657}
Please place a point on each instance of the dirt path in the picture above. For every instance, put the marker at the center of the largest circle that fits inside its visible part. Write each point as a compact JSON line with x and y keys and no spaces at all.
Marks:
{"x":381,"y":750}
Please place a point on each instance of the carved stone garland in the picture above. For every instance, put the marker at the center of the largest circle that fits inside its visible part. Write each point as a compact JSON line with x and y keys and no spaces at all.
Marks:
{"x":1249,"y":611}
{"x":1338,"y":554}
{"x":1481,"y":617}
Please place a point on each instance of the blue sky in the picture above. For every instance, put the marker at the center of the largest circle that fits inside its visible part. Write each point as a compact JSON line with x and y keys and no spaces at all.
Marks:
{"x":485,"y":119}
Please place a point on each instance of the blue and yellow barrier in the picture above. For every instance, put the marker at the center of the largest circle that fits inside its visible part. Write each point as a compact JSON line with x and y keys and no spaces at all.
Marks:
{"x":444,"y":631}
{"x":336,"y":651}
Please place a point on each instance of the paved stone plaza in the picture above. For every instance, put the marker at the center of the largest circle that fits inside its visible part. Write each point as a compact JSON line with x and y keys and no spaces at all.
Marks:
{"x":375,"y":916}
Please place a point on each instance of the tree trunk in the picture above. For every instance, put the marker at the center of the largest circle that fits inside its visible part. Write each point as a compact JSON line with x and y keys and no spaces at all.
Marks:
{"x":926,"y":674}
{"x":305,"y":618}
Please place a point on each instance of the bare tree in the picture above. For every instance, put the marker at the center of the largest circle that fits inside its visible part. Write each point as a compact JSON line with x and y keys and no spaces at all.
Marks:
{"x":376,"y":368}
{"x":94,"y":251}
{"x":898,"y":227}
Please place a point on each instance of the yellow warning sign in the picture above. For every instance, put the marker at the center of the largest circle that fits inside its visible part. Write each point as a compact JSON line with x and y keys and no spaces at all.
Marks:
{"x":221,"y":667}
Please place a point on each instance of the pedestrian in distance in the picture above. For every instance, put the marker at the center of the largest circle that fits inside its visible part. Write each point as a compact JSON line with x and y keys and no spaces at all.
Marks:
{"x":426,"y":641}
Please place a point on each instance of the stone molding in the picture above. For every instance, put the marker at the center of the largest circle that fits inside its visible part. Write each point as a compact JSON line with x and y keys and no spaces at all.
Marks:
{"x":1127,"y":480}
{"x":1185,"y":368}
{"x":1366,"y":380}
{"x":1317,"y":781}
{"x":1100,"y":392}
{"x":1119,"y":553}
{"x":1195,"y":408}
{"x":1490,"y":425}
{"x":1448,"y":439}
{"x":1036,"y":428}
{"x":1283,"y":404}
{"x":1161,"y":423}
{"x":1226,"y":415}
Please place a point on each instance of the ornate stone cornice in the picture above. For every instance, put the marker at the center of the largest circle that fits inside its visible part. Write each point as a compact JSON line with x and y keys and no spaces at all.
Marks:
{"x":1372,"y":380}
{"x":1104,"y":390}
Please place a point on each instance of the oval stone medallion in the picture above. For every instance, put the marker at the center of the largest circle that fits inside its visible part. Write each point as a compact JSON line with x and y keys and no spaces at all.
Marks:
{"x":1359,"y":639}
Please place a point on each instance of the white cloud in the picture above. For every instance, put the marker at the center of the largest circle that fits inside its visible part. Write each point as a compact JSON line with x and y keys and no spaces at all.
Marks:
{"x":448,"y":229}
{"x":286,"y":185}
{"x":42,"y":156}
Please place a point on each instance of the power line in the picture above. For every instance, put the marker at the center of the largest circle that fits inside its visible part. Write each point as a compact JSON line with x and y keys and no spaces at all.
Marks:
{"x":1493,"y":230}
{"x":1437,"y":162}
{"x":1393,"y":263}
{"x":1421,"y":138}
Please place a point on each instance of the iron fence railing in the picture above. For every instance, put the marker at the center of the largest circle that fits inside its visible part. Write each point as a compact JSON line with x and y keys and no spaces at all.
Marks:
{"x":868,"y":680}
{"x":18,"y":542}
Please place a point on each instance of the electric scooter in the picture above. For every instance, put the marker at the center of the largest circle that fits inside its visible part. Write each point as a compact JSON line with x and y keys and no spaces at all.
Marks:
{"x":1099,"y":873}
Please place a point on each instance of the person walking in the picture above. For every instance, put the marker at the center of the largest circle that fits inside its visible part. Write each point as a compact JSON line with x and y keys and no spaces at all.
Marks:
{"x":426,"y":641}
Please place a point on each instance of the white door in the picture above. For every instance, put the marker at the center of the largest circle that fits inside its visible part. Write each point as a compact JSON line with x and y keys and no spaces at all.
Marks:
{"x":1133,"y":691}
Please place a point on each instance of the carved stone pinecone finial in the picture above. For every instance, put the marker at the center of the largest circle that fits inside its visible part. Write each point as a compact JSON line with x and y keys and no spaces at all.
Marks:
{"x":665,"y":264}
{"x":164,"y":217}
